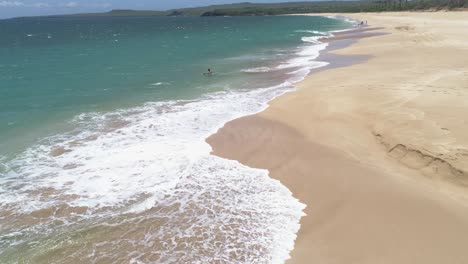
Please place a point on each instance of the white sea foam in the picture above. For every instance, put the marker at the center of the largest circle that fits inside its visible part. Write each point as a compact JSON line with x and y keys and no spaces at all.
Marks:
{"x":348,"y":20}
{"x":306,"y":57}
{"x":157,"y":139}
{"x":314,"y":39}
{"x":160,"y":83}
{"x":157,"y":151}
{"x":258,"y":70}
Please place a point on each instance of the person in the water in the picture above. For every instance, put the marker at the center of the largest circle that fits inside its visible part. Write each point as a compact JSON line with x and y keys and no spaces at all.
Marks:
{"x":209,"y":73}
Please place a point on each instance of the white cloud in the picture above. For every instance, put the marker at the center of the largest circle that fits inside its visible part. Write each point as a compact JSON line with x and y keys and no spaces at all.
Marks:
{"x":70,"y":4}
{"x":40,"y":5}
{"x":22,"y":4}
{"x":11,"y":3}
{"x":91,"y":5}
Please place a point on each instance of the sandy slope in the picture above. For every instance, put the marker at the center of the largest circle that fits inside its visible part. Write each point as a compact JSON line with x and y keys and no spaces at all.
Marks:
{"x":378,"y":151}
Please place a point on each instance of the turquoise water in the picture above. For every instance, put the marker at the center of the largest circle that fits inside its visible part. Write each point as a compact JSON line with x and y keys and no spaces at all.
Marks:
{"x":103,"y":124}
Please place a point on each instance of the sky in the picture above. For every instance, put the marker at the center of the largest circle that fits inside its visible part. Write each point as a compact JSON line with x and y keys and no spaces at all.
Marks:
{"x":15,"y":8}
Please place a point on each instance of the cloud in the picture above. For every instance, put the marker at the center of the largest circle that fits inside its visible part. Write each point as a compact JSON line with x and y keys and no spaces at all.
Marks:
{"x":91,"y":5}
{"x":22,"y":4}
{"x":70,"y":4}
{"x":40,"y":5}
{"x":11,"y":3}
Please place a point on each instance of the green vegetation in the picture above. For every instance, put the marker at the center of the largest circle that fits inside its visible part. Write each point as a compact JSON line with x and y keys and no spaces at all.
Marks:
{"x":336,"y":7}
{"x":254,"y":9}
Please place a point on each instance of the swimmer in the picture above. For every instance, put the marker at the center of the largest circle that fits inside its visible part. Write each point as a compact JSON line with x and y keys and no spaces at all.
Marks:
{"x":209,"y":73}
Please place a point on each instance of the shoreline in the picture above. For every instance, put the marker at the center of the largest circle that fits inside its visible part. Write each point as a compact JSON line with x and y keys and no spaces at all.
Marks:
{"x":373,"y":195}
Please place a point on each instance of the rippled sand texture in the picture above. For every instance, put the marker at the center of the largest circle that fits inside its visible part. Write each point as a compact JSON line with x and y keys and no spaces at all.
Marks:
{"x":378,"y":151}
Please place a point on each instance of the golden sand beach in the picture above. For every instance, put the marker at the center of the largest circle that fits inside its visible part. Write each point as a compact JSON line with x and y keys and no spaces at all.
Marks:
{"x":378,"y":150}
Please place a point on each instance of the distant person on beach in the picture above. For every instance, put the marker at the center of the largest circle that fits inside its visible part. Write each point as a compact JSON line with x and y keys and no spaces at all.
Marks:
{"x":209,"y":73}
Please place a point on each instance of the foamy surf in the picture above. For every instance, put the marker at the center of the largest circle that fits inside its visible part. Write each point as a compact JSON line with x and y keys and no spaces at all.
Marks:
{"x":258,"y":70}
{"x":348,"y":20}
{"x":305,"y":57}
{"x":149,"y":158}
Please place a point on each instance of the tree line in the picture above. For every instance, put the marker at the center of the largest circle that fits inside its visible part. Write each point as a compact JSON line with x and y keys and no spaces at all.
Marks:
{"x":339,"y":7}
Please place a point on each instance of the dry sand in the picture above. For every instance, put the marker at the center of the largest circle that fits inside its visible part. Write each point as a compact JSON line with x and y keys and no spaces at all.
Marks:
{"x":378,"y":150}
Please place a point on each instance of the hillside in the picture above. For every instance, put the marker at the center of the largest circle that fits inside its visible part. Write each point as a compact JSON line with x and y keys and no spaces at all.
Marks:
{"x":256,"y":9}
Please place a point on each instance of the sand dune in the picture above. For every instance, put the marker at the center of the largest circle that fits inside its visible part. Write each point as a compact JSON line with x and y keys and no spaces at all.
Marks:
{"x":378,"y":150}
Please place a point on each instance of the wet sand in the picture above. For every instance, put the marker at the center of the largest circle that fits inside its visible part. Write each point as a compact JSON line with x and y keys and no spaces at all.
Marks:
{"x":378,"y":150}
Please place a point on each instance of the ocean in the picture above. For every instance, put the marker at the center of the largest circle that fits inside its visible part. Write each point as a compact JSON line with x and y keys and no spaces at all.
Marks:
{"x":103,"y":124}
